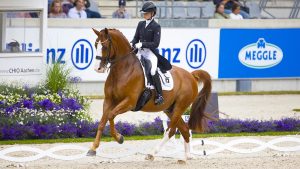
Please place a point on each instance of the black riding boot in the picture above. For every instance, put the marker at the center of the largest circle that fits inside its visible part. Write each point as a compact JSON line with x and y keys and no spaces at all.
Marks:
{"x":156,"y":82}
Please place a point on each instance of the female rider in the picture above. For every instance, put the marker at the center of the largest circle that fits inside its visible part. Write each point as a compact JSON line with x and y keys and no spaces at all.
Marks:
{"x":146,"y":40}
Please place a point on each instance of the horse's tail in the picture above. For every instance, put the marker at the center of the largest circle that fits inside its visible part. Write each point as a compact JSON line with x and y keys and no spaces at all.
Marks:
{"x":198,"y":117}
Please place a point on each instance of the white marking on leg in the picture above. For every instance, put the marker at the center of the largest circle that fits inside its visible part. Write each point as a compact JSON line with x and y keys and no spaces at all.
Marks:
{"x":163,"y":142}
{"x":187,"y":150}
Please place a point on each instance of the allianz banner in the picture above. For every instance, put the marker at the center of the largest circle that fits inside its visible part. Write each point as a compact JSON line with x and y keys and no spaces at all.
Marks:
{"x":259,"y":53}
{"x":190,"y":49}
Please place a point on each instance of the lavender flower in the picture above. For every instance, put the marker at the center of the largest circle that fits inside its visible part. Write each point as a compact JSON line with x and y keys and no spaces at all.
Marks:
{"x":70,"y":104}
{"x":75,"y":79}
{"x":46,"y":131}
{"x":68,"y":130}
{"x":9,"y":109}
{"x":87,"y":129}
{"x":2,"y":104}
{"x":287,"y":124}
{"x":28,"y":104}
{"x":46,"y":104}
{"x":125,"y":128}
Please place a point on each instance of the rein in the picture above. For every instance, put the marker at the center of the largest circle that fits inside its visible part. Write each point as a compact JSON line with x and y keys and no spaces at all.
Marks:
{"x":108,"y":59}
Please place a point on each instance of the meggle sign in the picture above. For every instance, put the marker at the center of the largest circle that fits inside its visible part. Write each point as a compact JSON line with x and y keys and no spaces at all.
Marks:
{"x":260,"y":55}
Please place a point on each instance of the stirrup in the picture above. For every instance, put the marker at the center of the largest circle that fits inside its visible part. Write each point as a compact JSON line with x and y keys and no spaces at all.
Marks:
{"x":159,"y":100}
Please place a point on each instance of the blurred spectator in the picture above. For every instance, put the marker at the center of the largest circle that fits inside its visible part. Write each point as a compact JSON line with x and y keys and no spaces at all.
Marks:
{"x":121,"y":12}
{"x":236,"y":9}
{"x":34,"y":14}
{"x":56,"y":10}
{"x":19,"y":15}
{"x":78,"y":11}
{"x":228,"y":4}
{"x":219,"y":13}
{"x":67,"y":5}
{"x":49,"y":4}
{"x":90,"y":13}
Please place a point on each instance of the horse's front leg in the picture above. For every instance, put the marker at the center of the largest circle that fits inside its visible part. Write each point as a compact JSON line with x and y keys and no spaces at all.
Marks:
{"x":124,"y":106}
{"x":101,"y":126}
{"x":114,"y":133}
{"x":96,"y":143}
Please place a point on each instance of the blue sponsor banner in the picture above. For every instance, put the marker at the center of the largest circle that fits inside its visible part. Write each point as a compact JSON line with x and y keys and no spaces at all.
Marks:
{"x":259,"y":53}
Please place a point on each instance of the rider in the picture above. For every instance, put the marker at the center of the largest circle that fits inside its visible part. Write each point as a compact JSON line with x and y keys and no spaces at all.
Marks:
{"x":147,"y":39}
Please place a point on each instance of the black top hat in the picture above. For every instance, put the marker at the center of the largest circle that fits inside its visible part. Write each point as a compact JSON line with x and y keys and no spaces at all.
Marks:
{"x":122,"y":2}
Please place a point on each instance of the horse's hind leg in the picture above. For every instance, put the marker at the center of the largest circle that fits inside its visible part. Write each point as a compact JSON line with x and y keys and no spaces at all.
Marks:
{"x":170,"y":132}
{"x":185,"y":132}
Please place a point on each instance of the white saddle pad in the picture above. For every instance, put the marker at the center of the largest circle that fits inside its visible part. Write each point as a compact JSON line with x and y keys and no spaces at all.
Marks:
{"x":166,"y":79}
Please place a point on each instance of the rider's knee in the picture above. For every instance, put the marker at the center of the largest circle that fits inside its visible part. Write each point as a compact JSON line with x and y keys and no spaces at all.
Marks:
{"x":153,"y":72}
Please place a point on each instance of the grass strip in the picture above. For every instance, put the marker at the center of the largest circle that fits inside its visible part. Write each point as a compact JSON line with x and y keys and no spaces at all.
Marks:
{"x":152,"y":137}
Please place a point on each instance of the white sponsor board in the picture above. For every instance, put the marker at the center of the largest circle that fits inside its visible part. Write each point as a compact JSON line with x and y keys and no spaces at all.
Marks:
{"x":26,"y":69}
{"x":190,"y":49}
{"x":199,"y":48}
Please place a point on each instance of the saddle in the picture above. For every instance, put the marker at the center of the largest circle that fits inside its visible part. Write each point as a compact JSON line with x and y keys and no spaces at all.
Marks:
{"x":165,"y":77}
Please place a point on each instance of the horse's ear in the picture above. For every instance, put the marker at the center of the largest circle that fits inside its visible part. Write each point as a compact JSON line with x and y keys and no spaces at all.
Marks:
{"x":96,"y":32}
{"x":106,"y":31}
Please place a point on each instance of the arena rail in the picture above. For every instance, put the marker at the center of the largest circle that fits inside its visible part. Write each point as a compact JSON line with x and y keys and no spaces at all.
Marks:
{"x":173,"y":149}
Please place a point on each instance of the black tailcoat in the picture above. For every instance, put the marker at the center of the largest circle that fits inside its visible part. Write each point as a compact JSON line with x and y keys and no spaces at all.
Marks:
{"x":150,"y":38}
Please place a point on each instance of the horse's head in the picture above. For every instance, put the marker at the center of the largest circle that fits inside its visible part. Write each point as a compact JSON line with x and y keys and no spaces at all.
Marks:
{"x":113,"y":46}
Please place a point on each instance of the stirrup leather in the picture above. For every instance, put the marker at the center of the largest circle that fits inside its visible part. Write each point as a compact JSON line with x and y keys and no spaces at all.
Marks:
{"x":159,"y":100}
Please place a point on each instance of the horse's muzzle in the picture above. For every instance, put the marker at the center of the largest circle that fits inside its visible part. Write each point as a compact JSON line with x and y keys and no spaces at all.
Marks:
{"x":100,"y":70}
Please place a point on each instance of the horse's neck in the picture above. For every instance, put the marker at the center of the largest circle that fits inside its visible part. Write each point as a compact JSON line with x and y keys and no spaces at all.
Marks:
{"x":124,"y":66}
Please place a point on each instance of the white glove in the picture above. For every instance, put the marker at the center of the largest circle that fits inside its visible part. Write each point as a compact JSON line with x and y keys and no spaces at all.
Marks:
{"x":138,"y":45}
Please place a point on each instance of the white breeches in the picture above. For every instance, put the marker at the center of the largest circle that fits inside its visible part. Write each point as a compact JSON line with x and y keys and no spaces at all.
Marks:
{"x":148,"y":54}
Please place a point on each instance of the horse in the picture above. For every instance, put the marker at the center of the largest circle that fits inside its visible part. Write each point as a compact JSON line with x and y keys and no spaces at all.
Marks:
{"x":125,"y":82}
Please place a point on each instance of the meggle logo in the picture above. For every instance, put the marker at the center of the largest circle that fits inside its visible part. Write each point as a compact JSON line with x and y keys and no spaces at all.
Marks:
{"x":260,"y":55}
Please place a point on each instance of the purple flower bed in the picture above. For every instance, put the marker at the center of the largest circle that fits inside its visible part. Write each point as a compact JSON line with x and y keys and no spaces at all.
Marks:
{"x":238,"y":126}
{"x":86,"y":129}
{"x":72,"y":130}
{"x":24,"y":105}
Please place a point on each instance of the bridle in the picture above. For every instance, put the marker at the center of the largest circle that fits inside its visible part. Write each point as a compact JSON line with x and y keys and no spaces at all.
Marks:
{"x":108,"y":58}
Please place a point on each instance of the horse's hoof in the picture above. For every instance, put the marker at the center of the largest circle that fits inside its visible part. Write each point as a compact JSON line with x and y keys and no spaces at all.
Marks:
{"x":91,"y":153}
{"x":121,"y":140}
{"x":149,"y":157}
{"x":189,"y":157}
{"x":181,"y":162}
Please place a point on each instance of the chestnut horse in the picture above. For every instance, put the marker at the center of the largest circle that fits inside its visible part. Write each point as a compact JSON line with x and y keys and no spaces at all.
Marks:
{"x":125,"y":83}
